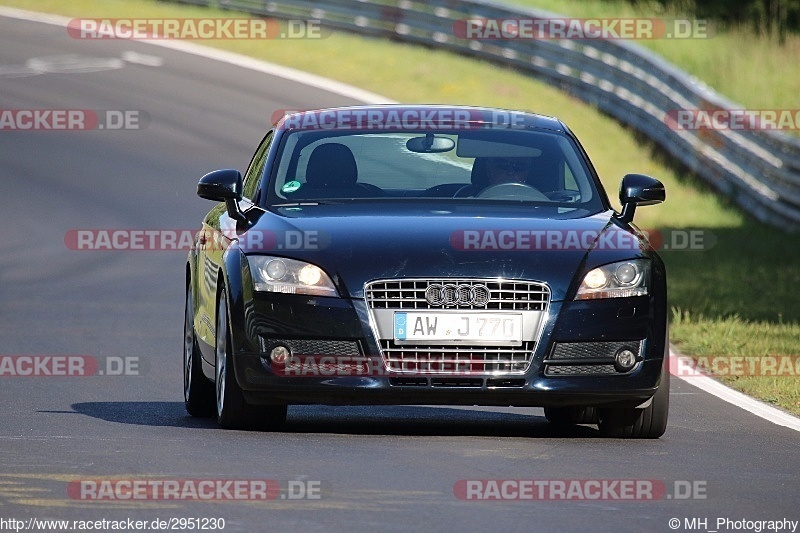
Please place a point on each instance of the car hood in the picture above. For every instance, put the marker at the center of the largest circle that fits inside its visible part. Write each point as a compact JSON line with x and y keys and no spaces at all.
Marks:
{"x":358,"y":243}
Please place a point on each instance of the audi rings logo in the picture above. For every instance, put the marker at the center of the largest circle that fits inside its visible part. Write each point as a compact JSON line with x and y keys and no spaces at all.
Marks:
{"x":450,"y":295}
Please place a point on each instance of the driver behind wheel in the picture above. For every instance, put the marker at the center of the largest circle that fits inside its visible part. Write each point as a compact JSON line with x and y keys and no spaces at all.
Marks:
{"x":501,"y":170}
{"x":504,"y":177}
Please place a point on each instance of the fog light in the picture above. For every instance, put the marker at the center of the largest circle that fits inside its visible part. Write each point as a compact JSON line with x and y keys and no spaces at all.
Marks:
{"x":279,"y":354}
{"x":624,"y":360}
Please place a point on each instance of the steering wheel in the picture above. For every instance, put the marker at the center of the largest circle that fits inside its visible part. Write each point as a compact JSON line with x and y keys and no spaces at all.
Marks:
{"x":512,"y":191}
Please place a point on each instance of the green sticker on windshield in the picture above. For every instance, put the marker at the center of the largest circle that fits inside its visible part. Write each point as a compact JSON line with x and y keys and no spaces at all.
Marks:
{"x":291,"y":186}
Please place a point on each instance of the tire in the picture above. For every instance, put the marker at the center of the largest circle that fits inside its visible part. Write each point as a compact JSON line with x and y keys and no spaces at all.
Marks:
{"x":564,"y":416}
{"x":233,"y":412}
{"x":198,"y":392}
{"x":647,"y":423}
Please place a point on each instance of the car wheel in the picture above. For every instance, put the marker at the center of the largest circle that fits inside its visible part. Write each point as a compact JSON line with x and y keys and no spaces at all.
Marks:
{"x":564,"y":416}
{"x":647,"y":423}
{"x":198,"y":392}
{"x":233,"y":412}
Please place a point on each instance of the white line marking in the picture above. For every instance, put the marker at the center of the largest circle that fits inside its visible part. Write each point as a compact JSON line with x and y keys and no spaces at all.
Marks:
{"x":142,"y":59}
{"x":712,"y":386}
{"x":73,"y":63}
{"x":310,"y":80}
{"x":705,"y":383}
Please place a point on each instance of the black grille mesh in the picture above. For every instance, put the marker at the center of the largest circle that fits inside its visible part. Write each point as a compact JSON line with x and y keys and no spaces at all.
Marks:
{"x":587,"y":358}
{"x":336,"y":348}
{"x":592,"y":350}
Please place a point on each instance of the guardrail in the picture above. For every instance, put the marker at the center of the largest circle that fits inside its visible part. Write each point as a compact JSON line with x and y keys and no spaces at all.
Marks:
{"x":758,"y":169}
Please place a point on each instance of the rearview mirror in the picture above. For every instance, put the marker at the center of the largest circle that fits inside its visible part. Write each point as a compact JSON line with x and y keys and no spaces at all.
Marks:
{"x":638,"y":189}
{"x":223,"y":186}
{"x":430,"y":144}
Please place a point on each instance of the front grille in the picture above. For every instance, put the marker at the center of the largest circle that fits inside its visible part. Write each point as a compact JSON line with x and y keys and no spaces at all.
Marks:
{"x":457,"y":359}
{"x":588,"y":358}
{"x":530,"y":299}
{"x":503,"y":295}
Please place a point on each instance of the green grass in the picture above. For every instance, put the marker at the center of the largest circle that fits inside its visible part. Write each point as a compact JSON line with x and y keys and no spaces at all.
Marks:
{"x":737,"y":298}
{"x":740,"y":298}
{"x":755,"y":71}
{"x":723,"y":339}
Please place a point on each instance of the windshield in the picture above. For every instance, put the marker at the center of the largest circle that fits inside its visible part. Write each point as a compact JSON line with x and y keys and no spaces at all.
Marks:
{"x":502,"y":165}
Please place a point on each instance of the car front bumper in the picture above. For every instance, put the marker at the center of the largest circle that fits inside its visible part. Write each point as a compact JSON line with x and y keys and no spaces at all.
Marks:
{"x":337,"y":360}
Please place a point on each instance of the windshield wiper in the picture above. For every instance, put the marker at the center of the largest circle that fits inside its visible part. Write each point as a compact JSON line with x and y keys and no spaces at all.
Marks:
{"x":305,"y":202}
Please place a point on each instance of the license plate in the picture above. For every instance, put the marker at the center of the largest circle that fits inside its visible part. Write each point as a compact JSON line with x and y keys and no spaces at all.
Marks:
{"x":466,"y":328}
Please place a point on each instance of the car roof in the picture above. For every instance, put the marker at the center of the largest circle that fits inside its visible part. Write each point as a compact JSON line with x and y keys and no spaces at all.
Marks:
{"x":405,"y":116}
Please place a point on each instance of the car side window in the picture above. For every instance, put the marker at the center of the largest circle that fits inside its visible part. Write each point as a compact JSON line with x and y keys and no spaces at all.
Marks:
{"x":252,"y":177}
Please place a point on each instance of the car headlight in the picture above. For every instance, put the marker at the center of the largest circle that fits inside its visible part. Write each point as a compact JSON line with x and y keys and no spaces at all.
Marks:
{"x":279,"y":274}
{"x":617,"y":280}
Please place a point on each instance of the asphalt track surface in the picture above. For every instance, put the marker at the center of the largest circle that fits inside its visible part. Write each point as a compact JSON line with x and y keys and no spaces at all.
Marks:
{"x":380,"y":468}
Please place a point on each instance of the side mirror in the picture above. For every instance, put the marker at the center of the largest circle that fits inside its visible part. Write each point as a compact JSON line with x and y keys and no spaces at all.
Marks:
{"x":638,"y":189}
{"x":223,"y":186}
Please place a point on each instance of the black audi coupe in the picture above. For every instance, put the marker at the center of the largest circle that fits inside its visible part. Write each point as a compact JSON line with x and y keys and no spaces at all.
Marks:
{"x":425,"y":255}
